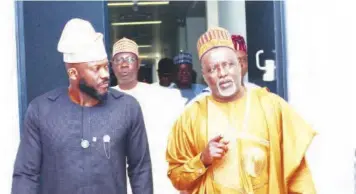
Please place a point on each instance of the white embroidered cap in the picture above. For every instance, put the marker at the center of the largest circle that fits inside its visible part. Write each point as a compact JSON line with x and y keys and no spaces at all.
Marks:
{"x":80,"y":42}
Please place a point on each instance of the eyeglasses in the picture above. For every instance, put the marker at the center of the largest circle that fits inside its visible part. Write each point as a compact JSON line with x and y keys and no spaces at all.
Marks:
{"x":121,"y":60}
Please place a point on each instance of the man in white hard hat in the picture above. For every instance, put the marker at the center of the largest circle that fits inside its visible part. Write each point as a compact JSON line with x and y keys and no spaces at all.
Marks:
{"x":77,"y":139}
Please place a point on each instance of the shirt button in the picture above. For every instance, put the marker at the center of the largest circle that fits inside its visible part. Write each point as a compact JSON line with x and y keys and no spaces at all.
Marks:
{"x":200,"y":171}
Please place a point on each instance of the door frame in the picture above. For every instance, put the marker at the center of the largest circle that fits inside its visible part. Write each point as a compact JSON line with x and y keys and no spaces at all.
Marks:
{"x":21,"y":61}
{"x":281,"y":49}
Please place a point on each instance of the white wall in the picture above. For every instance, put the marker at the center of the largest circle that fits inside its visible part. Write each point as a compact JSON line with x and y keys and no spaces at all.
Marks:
{"x":9,"y":124}
{"x":321,"y":73}
{"x":195,"y":27}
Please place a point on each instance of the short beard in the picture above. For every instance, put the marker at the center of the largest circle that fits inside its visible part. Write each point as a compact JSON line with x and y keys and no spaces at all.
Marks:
{"x":227,"y":92}
{"x":92,"y":92}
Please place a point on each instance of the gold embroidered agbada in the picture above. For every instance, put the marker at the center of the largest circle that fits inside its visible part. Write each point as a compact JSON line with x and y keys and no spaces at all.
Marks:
{"x":268,"y":141}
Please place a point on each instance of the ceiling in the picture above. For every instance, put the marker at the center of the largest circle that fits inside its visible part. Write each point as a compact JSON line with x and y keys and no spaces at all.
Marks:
{"x":172,"y":15}
{"x":177,"y":9}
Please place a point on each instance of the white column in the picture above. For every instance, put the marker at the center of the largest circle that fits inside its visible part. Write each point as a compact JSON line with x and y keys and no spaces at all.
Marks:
{"x":321,"y":84}
{"x":232,"y":16}
{"x":212,"y":13}
{"x":196,"y":26}
{"x":9,"y":110}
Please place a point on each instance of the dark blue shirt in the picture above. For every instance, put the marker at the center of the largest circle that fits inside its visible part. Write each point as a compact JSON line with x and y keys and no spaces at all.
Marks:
{"x":51,"y":159}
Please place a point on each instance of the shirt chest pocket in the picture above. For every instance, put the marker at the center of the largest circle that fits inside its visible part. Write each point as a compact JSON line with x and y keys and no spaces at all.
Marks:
{"x":103,"y":145}
{"x":108,"y":143}
{"x":256,"y":164}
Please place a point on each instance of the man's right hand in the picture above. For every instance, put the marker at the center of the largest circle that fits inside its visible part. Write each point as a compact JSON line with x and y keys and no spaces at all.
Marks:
{"x":214,"y":150}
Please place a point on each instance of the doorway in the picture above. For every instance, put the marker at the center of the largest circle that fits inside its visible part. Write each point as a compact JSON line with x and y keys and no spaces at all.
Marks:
{"x":160,"y":28}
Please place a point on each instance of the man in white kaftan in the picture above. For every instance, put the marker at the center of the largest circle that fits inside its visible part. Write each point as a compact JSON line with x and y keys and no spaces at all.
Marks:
{"x":160,"y":106}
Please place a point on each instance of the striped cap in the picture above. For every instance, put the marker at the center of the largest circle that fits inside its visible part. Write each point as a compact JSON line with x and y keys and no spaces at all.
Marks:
{"x":125,"y":45}
{"x":183,"y":58}
{"x":214,"y":37}
{"x":239,"y":43}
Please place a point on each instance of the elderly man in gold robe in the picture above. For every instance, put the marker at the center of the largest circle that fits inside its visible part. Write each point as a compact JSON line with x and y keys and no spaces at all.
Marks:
{"x":237,"y":141}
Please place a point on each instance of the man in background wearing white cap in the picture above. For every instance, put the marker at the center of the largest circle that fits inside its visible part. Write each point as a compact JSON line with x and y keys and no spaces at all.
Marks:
{"x":160,"y":107}
{"x":77,"y":139}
